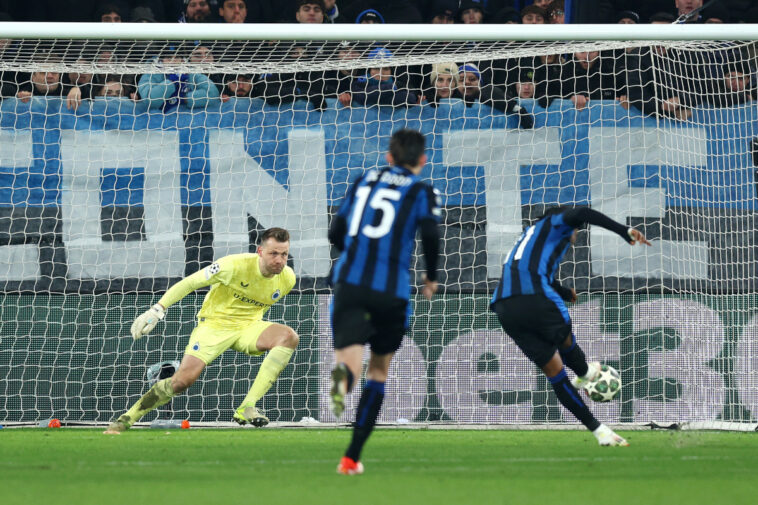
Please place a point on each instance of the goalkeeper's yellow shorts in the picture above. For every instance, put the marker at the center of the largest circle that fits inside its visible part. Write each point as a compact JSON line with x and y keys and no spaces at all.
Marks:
{"x":208,"y":340}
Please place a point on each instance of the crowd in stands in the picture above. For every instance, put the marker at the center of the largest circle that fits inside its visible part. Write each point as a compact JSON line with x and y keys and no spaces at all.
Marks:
{"x":655,"y":80}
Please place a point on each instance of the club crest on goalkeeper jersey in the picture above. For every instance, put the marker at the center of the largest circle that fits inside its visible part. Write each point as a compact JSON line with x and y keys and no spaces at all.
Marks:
{"x":239,"y":292}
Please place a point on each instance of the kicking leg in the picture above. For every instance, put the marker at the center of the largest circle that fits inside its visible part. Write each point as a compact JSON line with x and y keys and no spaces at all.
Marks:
{"x":573,"y":356}
{"x":280,"y":341}
{"x":569,"y":398}
{"x":161,"y":392}
{"x":368,"y":411}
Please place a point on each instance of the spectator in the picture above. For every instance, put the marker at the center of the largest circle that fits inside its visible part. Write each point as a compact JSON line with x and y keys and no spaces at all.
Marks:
{"x":310,"y":11}
{"x":556,"y":12}
{"x":471,"y":12}
{"x":627,"y":18}
{"x":167,"y":91}
{"x":197,"y":11}
{"x":238,"y":86}
{"x":507,"y":15}
{"x":112,"y":87}
{"x":551,"y":77}
{"x":142,"y":15}
{"x":109,"y":13}
{"x":533,"y":15}
{"x":443,"y":81}
{"x":524,"y":87}
{"x":669,"y":82}
{"x":378,"y":86}
{"x":79,"y":86}
{"x":46,"y":84}
{"x":716,"y":14}
{"x":233,"y":11}
{"x":8,"y":87}
{"x":736,"y":88}
{"x":370,"y":17}
{"x":472,"y":89}
{"x":590,"y":80}
{"x":202,"y":54}
{"x":685,"y":7}
{"x":339,"y":82}
{"x":542,"y":4}
{"x":443,"y":12}
{"x":393,"y":11}
{"x":332,"y":12}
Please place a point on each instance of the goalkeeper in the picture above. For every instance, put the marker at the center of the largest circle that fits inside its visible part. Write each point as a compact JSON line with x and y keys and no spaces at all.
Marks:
{"x":243,"y":288}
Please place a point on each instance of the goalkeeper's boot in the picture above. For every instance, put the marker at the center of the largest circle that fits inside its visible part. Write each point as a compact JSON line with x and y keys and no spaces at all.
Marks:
{"x":119,"y":426}
{"x":606,"y":437}
{"x":349,"y":467}
{"x":339,"y":389}
{"x":250,"y":415}
{"x":593,"y":372}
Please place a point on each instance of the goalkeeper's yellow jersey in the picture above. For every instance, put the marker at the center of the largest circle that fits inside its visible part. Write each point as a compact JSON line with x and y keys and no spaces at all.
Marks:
{"x":239,"y":293}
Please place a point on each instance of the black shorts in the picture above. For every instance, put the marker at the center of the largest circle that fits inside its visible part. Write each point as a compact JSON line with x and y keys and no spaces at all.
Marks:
{"x":360,"y":315}
{"x":535,"y":324}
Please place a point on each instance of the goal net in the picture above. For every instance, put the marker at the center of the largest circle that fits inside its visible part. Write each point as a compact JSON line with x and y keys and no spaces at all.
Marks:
{"x":129,"y":161}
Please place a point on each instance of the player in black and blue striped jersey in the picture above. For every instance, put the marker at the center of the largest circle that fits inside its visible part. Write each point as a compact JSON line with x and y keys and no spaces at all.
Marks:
{"x":375,"y":230}
{"x":529,"y":303}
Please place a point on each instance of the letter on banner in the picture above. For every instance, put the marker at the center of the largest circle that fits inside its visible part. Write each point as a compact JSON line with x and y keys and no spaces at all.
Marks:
{"x":467,"y":373}
{"x":612,"y":150}
{"x":597,"y":346}
{"x":405,"y":395}
{"x":20,"y":262}
{"x":701,"y":337}
{"x":239,"y":186}
{"x":501,"y":153}
{"x":746,"y":366}
{"x":83,"y":156}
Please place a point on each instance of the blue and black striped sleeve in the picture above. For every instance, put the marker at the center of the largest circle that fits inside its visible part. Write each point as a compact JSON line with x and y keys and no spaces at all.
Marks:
{"x":429,"y":213}
{"x":338,"y":228}
{"x":580,"y":215}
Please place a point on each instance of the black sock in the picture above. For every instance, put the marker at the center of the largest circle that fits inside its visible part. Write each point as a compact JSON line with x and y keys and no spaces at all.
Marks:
{"x":365,"y":417}
{"x":569,"y":398}
{"x":574,"y":358}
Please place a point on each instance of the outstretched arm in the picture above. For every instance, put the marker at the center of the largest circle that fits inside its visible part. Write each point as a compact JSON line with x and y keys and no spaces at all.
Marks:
{"x":577,"y":217}
{"x":146,"y":321}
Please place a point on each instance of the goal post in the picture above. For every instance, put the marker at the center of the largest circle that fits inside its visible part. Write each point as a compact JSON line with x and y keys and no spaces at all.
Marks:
{"x":134,"y":154}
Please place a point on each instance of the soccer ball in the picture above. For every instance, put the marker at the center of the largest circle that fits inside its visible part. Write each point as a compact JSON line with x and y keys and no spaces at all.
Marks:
{"x":607,"y":386}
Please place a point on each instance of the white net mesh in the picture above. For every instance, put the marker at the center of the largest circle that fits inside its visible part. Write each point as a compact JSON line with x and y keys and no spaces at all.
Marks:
{"x":125,"y":165}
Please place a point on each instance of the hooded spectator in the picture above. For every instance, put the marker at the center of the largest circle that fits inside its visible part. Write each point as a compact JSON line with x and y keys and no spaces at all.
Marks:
{"x":378,"y":86}
{"x":369,"y":16}
{"x":471,"y":12}
{"x":472,"y":89}
{"x":627,"y":18}
{"x":443,"y":12}
{"x":142,"y":15}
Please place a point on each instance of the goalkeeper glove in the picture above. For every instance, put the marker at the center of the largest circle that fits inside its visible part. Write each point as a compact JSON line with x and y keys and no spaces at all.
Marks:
{"x":145,"y":323}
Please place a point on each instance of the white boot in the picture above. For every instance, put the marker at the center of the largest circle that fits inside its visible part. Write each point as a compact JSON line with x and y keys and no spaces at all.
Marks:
{"x":593,"y":372}
{"x":607,"y":438}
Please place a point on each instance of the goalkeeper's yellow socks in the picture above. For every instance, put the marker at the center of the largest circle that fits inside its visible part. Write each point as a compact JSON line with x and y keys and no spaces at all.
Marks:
{"x":158,"y":395}
{"x":276,"y":359}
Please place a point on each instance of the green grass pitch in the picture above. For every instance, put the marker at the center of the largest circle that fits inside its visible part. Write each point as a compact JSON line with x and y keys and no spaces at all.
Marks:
{"x":297,"y":466}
